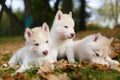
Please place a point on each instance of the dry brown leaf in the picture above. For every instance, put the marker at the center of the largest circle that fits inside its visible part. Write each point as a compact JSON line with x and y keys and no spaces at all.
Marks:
{"x":113,"y":55}
{"x":99,"y":66}
{"x":115,"y":67}
{"x":84,"y":63}
{"x":52,"y":77}
{"x":19,"y":76}
{"x":10,"y":47}
{"x":64,"y":76}
{"x":77,"y":75}
{"x":116,"y":45}
{"x":7,"y":77}
{"x":116,"y":40}
{"x":61,"y":63}
{"x":64,"y":65}
{"x":45,"y":70}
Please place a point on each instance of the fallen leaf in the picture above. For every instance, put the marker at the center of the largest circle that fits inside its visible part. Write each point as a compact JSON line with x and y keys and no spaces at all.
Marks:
{"x":113,"y":55}
{"x":99,"y":66}
{"x":64,"y":76}
{"x":19,"y":76}
{"x":64,"y":65}
{"x":45,"y":70}
{"x":52,"y":77}
{"x":7,"y":77}
{"x":115,"y":67}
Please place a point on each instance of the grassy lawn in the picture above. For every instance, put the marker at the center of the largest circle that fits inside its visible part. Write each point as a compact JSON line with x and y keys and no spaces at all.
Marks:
{"x":106,"y":32}
{"x":8,"y":45}
{"x":11,"y":39}
{"x":96,"y":74}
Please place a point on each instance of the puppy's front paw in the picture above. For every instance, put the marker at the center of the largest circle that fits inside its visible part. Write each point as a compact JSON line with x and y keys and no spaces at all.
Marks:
{"x":105,"y":63}
{"x":11,"y":64}
{"x":100,"y":61}
{"x":19,"y":71}
{"x":113,"y":62}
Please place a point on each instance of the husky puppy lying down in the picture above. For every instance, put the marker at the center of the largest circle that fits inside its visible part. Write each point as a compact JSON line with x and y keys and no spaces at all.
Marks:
{"x":36,"y":47}
{"x":95,"y":48}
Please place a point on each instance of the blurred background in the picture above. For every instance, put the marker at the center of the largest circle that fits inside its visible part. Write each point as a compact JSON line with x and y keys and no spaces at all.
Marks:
{"x":91,"y":16}
{"x":16,"y":15}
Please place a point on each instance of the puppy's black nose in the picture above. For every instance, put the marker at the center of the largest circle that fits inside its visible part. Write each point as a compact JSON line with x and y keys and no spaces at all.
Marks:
{"x":45,"y":52}
{"x":72,"y":34}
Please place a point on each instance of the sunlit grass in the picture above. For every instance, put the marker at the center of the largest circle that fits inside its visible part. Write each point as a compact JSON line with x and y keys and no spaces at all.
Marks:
{"x":96,"y":74}
{"x":11,"y":39}
{"x":10,"y":44}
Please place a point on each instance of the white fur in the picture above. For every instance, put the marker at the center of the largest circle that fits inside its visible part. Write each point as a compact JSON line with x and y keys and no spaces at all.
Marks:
{"x":62,"y":34}
{"x":37,"y":47}
{"x":95,"y":48}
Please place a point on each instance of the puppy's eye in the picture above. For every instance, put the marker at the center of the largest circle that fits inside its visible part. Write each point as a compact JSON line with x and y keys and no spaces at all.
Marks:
{"x":46,"y":41}
{"x":97,"y":54}
{"x":66,"y":26}
{"x":36,"y":44}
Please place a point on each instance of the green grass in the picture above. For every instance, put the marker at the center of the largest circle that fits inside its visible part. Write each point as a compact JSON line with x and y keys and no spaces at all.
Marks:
{"x":96,"y":74}
{"x":96,"y":27}
{"x":118,"y":36}
{"x":89,"y":73}
{"x":11,"y":39}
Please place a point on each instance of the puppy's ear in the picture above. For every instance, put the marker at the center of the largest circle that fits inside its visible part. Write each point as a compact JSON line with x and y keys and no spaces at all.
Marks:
{"x":70,"y":13}
{"x":28,"y":33}
{"x":59,"y":15}
{"x":45,"y":27}
{"x":96,"y":37}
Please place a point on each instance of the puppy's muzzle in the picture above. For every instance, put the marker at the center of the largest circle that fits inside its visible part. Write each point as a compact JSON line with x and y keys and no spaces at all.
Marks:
{"x":45,"y":52}
{"x":72,"y":35}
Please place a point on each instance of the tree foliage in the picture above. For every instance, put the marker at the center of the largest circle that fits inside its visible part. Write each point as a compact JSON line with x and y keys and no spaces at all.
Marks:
{"x":67,"y":6}
{"x":40,"y":11}
{"x":109,"y":12}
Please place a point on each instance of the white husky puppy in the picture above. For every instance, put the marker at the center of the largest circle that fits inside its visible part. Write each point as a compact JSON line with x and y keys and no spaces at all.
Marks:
{"x":95,"y":48}
{"x":36,"y":47}
{"x":62,"y":34}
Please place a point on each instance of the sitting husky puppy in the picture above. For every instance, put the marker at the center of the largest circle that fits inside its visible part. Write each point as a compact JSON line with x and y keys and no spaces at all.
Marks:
{"x":95,"y":48}
{"x":62,"y":34}
{"x":37,"y":46}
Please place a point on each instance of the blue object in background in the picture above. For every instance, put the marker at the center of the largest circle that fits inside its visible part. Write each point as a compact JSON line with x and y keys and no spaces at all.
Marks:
{"x":28,"y":21}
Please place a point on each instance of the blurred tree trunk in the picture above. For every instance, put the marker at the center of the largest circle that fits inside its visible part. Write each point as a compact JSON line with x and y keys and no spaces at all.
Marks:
{"x":56,"y":5}
{"x":67,"y":6}
{"x":11,"y":20}
{"x":1,"y":14}
{"x":82,"y":25}
{"x":12,"y":16}
{"x":27,"y":11}
{"x":41,"y":12}
{"x":27,"y":4}
{"x":117,"y":12}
